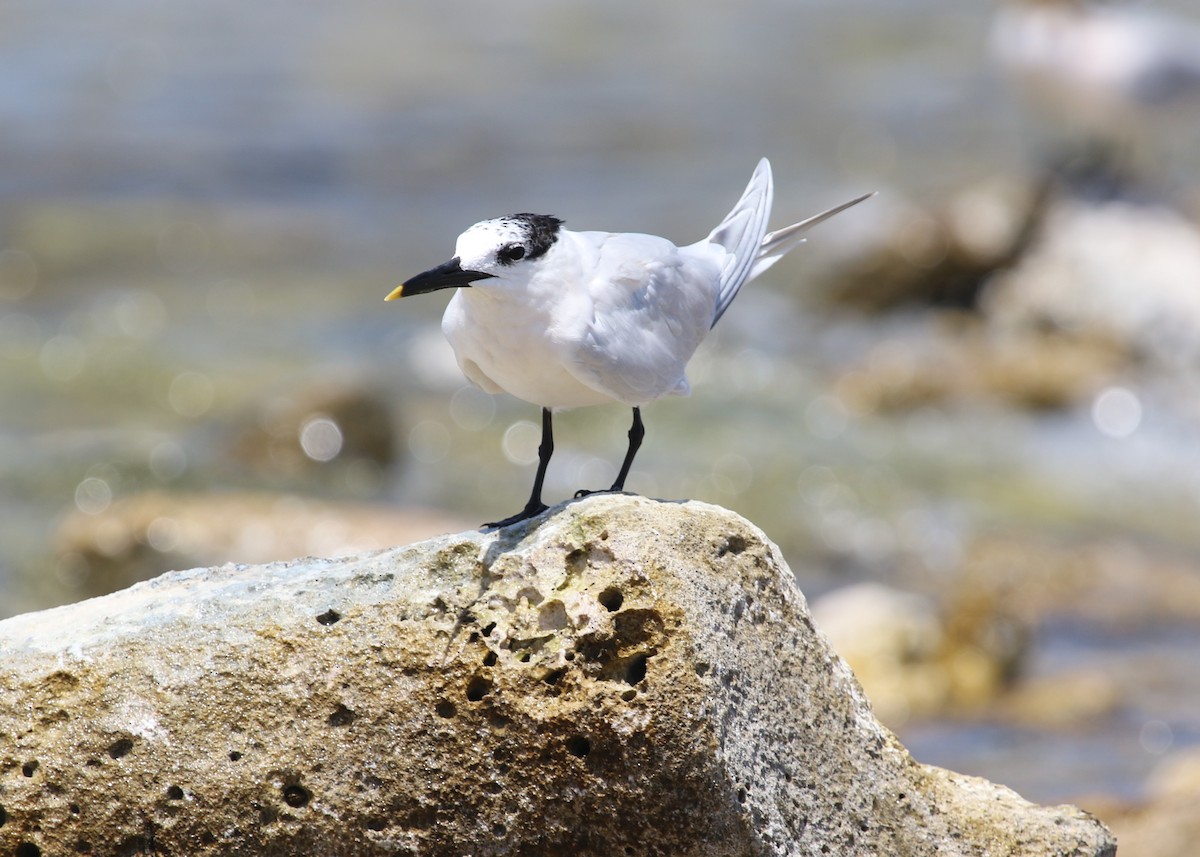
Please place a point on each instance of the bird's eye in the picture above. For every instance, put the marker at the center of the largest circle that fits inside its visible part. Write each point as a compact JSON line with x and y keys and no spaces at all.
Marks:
{"x":511,"y":253}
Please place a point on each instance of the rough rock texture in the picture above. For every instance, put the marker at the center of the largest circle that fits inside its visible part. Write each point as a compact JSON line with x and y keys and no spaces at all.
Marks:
{"x":624,"y":678}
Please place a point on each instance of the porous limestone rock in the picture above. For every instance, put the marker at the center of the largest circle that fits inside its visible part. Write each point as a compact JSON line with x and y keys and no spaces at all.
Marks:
{"x":622,"y":677}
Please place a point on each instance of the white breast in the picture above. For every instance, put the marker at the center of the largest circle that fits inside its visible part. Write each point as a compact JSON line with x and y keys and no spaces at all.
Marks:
{"x":504,"y":347}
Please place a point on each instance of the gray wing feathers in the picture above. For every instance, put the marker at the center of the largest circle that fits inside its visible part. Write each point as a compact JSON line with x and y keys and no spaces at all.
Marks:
{"x":740,"y":233}
{"x":743,"y":234}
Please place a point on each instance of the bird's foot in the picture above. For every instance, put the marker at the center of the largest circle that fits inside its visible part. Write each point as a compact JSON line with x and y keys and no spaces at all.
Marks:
{"x":532,"y":510}
{"x":587,"y":492}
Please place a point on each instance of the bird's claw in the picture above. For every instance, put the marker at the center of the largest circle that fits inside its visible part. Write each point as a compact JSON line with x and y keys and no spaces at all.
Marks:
{"x":530,"y":511}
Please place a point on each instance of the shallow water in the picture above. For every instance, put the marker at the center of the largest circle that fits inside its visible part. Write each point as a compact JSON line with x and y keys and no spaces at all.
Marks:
{"x":204,"y":204}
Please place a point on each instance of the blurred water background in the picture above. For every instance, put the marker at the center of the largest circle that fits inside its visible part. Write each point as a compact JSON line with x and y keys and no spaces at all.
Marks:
{"x":202,"y":206}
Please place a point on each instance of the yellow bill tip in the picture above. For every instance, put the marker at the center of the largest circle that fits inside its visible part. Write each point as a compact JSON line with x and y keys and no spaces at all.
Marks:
{"x":397,"y":292}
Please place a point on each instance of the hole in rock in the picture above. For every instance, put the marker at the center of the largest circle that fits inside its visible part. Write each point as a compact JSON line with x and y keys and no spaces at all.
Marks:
{"x":553,"y":616}
{"x":489,"y":660}
{"x":633,"y":626}
{"x":29,"y":767}
{"x":446,"y":709}
{"x":488,"y":628}
{"x":478,"y":687}
{"x":296,"y":795}
{"x":234,"y":756}
{"x":74,"y":809}
{"x":741,"y":795}
{"x":635,"y":670}
{"x":3,"y":815}
{"x":376,"y":824}
{"x":576,"y":562}
{"x":342,"y":716}
{"x":28,"y":849}
{"x":329,"y":617}
{"x":134,"y":846}
{"x":702,"y":669}
{"x":83,"y":847}
{"x":554,"y":677}
{"x":525,"y":657}
{"x":577,"y":745}
{"x":530,"y":594}
{"x":492,"y":787}
{"x":733,"y":544}
{"x":174,"y":793}
{"x":119,"y":748}
{"x":499,"y":830}
{"x":612,"y":599}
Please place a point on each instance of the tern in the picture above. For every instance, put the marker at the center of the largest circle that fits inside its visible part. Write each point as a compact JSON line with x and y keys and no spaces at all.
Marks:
{"x":1107,"y":72}
{"x":565,"y":319}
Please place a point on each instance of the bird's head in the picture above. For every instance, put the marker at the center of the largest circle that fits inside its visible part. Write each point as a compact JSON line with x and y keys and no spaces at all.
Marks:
{"x":503,"y":248}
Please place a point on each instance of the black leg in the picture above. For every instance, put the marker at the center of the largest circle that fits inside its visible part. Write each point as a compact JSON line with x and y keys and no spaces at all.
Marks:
{"x":535,"y":506}
{"x":636,"y":432}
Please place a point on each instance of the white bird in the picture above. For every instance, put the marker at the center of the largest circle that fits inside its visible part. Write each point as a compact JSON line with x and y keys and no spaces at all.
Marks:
{"x":1107,"y":71}
{"x":564,"y":319}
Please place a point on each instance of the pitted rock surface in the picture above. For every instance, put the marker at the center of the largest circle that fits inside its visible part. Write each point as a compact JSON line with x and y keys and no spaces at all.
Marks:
{"x":622,"y":677}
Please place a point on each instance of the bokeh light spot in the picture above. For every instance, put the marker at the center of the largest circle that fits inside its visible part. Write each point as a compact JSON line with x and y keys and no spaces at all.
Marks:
{"x":1156,"y":737}
{"x":191,"y":394}
{"x":321,"y":438}
{"x":1117,"y":412}
{"x":163,"y":534}
{"x":472,"y":409}
{"x":93,"y":495}
{"x":520,"y":444}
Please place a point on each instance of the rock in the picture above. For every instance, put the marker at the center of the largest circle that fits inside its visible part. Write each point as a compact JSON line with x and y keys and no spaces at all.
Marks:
{"x":1119,"y":271}
{"x":146,"y":534}
{"x":917,"y":658}
{"x":958,"y":357}
{"x":620,"y":677}
{"x":941,"y":255}
{"x":1065,"y":700}
{"x":1178,"y":775}
{"x":1167,"y":824}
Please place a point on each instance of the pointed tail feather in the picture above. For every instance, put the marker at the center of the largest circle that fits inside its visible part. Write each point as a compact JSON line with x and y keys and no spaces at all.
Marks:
{"x":741,"y":234}
{"x":775,"y":245}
